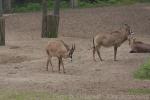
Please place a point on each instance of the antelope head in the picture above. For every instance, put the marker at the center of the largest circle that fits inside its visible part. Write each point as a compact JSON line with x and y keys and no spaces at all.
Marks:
{"x":130,"y":33}
{"x":71,"y":51}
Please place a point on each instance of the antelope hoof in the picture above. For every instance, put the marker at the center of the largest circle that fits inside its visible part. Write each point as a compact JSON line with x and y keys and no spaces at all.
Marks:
{"x":101,"y":59}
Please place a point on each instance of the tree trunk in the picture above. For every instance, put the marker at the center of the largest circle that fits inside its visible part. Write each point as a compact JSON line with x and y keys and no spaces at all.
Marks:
{"x":44,"y":18}
{"x":7,"y":6}
{"x":50,"y":23}
{"x":2,"y":31}
{"x":1,"y":8}
{"x":74,"y":3}
{"x":52,"y":26}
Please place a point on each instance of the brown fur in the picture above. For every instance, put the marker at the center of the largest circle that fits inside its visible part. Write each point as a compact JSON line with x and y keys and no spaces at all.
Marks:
{"x":59,"y":49}
{"x":139,"y":47}
{"x":115,"y":39}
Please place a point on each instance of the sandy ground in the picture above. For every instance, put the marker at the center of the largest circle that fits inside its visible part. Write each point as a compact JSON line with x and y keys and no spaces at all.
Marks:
{"x":23,"y":59}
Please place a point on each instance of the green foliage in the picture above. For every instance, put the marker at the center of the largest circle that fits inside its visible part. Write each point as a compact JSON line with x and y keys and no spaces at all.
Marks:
{"x":27,"y":7}
{"x":85,"y":4}
{"x":143,"y":72}
{"x":64,"y":4}
{"x":144,"y":0}
{"x":121,"y":1}
{"x":50,"y":4}
{"x":139,"y":91}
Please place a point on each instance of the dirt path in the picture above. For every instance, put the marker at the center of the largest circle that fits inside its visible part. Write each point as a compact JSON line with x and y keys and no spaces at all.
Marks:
{"x":23,"y":67}
{"x":22,"y":61}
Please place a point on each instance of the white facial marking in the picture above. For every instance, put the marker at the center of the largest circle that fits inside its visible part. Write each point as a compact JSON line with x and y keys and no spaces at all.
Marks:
{"x":132,"y":33}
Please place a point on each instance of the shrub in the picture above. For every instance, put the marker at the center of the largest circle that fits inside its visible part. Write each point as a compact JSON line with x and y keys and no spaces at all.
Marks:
{"x":27,"y":7}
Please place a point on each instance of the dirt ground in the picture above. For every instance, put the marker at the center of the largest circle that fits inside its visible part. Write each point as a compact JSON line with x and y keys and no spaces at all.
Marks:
{"x":23,"y":59}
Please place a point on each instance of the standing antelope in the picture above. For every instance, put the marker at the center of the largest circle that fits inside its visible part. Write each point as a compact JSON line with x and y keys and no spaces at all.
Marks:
{"x":60,"y":50}
{"x":115,"y":39}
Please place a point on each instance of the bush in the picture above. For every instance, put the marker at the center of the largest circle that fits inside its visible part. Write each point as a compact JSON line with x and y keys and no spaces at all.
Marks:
{"x":64,"y":4}
{"x":27,"y":7}
{"x":33,"y":6}
{"x":50,"y":4}
{"x":85,"y":4}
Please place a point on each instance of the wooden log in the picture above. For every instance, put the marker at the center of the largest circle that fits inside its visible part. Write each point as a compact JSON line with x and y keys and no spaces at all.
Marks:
{"x":2,"y":31}
{"x":52,"y":26}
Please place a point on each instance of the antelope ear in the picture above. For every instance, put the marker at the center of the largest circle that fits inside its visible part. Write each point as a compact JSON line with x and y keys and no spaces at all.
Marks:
{"x":132,"y":33}
{"x":72,"y":47}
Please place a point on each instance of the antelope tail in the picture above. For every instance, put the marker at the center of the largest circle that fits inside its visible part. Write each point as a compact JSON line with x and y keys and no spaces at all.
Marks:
{"x":47,"y":52}
{"x":93,"y":43}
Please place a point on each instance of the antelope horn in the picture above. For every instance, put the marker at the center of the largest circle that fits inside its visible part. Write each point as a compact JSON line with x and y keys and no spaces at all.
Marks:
{"x":74,"y":46}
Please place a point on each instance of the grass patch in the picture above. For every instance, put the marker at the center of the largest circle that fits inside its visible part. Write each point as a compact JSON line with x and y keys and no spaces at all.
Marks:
{"x":100,"y":3}
{"x":139,"y":91}
{"x":144,"y":71}
{"x":26,"y":95}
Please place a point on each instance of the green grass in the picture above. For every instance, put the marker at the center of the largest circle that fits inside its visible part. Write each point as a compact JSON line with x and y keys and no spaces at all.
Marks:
{"x":143,"y":72}
{"x":15,"y":94}
{"x":100,"y":3}
{"x":139,"y":91}
{"x":30,"y":7}
{"x":26,"y":95}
